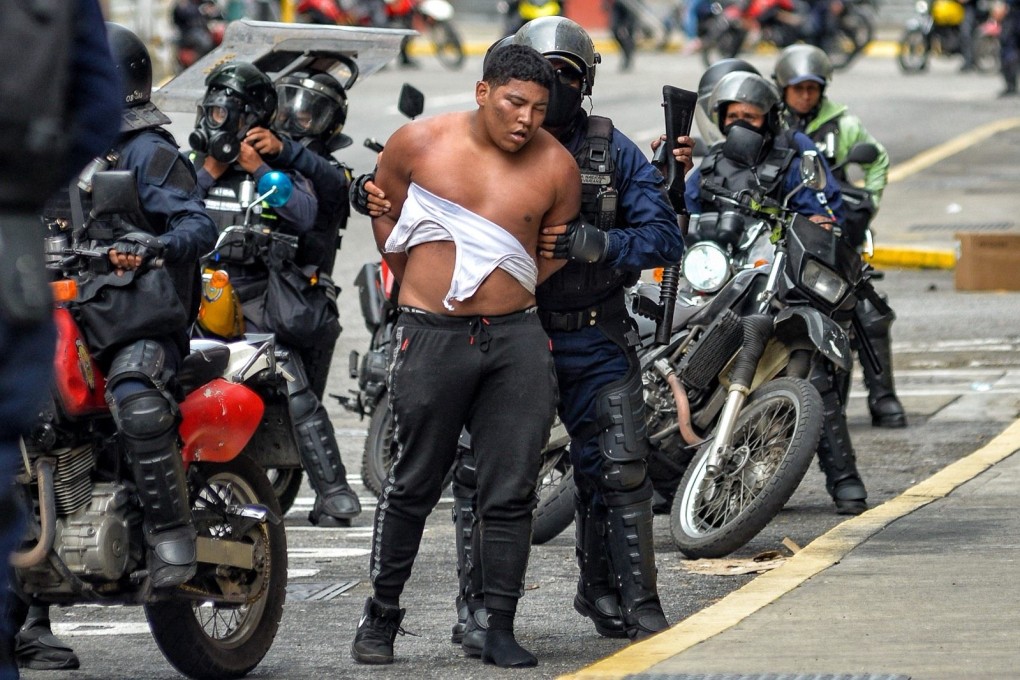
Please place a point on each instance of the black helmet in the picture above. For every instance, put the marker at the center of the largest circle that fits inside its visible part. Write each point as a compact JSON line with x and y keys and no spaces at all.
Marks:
{"x":134,"y":66}
{"x":748,"y":88}
{"x":709,"y":79}
{"x":250,"y":85}
{"x":310,"y":105}
{"x":563,"y":38}
{"x":800,"y":63}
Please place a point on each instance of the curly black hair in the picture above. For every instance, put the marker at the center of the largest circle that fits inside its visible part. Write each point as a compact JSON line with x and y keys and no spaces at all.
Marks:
{"x":517,"y":62}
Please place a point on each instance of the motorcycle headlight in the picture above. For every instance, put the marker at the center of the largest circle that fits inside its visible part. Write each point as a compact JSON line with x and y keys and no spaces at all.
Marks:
{"x":921,"y":7}
{"x":824,"y":282}
{"x":706,"y":267}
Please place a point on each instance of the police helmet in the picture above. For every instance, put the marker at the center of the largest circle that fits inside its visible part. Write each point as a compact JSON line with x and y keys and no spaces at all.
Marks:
{"x":560,"y":37}
{"x":748,"y":88}
{"x":703,"y":114}
{"x":310,"y":105}
{"x":133,"y":64}
{"x":250,"y":85}
{"x":802,"y":63}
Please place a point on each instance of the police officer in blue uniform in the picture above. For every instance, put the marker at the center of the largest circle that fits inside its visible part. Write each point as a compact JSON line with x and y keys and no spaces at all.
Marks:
{"x":170,"y":223}
{"x":769,"y":157}
{"x":238,"y":99}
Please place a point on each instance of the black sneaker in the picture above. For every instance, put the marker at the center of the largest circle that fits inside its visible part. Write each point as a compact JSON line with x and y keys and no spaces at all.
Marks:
{"x":378,"y":628}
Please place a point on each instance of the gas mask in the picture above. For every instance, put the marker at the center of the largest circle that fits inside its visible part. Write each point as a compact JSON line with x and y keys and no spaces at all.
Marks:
{"x":564,"y":100}
{"x":220,"y":125}
{"x":743,"y":143}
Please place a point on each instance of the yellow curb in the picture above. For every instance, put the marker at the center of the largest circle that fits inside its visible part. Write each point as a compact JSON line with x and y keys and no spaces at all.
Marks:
{"x":820,"y":554}
{"x":917,"y":258}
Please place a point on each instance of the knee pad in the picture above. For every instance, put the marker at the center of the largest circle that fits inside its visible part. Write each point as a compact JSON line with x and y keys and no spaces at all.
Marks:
{"x":144,"y":360}
{"x":301,"y":399}
{"x":144,"y":415}
{"x":465,"y":481}
{"x":875,"y":324}
{"x":620,"y":477}
{"x":619,"y":412}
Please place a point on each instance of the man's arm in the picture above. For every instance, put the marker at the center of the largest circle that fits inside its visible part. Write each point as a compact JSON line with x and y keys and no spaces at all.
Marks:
{"x":565,"y":209}
{"x":393,"y":176}
{"x":327,"y":179}
{"x":876,"y":175}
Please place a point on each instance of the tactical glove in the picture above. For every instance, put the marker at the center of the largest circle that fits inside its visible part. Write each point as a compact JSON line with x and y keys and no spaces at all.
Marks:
{"x":581,"y":242}
{"x":146,"y":246}
{"x":359,"y":197}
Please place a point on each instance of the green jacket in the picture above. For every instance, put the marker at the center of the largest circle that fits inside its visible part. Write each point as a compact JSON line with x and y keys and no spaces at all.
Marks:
{"x":850,"y":131}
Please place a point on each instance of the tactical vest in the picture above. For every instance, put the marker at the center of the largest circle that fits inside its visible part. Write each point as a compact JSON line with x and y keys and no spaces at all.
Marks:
{"x":736,"y":177}
{"x":579,"y":285}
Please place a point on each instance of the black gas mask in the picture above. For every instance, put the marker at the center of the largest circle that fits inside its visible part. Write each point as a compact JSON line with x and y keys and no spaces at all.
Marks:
{"x":564,"y":99}
{"x":743,"y":143}
{"x":222,"y":122}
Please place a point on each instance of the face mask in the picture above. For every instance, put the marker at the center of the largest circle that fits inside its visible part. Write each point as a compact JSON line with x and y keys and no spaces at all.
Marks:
{"x":564,"y":103}
{"x":743,"y":143}
{"x":219,"y":127}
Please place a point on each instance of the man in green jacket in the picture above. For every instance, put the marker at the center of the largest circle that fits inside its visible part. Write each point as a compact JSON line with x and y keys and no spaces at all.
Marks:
{"x":802,"y":73}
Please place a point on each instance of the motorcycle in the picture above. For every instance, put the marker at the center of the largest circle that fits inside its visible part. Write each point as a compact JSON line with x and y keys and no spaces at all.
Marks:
{"x":196,"y":34}
{"x":433,"y":19}
{"x":847,"y":31}
{"x":516,"y":13}
{"x":84,"y":542}
{"x":937,"y":29}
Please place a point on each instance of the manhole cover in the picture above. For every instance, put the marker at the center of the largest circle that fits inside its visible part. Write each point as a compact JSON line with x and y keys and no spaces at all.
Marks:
{"x":317,"y":592}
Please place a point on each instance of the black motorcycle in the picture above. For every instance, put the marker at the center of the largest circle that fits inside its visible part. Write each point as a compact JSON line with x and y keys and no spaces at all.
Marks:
{"x":936,"y":29}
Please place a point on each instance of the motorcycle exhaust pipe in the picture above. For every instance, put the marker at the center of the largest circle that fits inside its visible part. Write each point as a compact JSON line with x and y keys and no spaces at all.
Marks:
{"x":47,"y":519}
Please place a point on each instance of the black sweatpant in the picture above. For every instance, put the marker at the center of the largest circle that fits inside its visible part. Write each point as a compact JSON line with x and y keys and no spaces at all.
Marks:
{"x":494,"y":375}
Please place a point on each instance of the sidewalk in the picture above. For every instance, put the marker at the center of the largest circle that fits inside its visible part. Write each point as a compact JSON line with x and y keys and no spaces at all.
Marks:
{"x":922,"y":587}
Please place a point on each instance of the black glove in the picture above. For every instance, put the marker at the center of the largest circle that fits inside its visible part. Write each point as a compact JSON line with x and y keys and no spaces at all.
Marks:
{"x":582,"y":242}
{"x":359,"y":197}
{"x":146,"y":246}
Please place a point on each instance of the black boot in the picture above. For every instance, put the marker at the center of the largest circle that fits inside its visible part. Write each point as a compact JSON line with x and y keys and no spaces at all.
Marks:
{"x":837,"y":459}
{"x":885,"y":407}
{"x":475,"y":630}
{"x":378,"y":628}
{"x":464,"y":519}
{"x":629,"y":542}
{"x":596,"y":596}
{"x":37,"y":648}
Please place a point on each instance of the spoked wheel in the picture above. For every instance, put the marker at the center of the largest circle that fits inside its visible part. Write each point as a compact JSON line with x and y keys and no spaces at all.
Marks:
{"x":913,"y":56}
{"x":555,"y":509}
{"x":286,"y":484}
{"x":851,"y":37}
{"x":447,"y":43}
{"x":774,"y":441}
{"x":226,"y":633}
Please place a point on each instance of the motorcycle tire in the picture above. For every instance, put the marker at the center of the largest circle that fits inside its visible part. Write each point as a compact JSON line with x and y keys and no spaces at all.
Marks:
{"x":286,"y":485}
{"x":986,"y":53}
{"x":555,"y":510}
{"x":200,"y":638}
{"x":379,"y":448}
{"x":724,"y":43}
{"x":914,"y":51}
{"x":851,"y":37}
{"x":447,"y":44}
{"x":713,"y":518}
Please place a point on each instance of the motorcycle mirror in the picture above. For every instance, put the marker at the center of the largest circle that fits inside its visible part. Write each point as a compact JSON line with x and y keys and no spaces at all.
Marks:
{"x":114,"y":192}
{"x":862,"y":153}
{"x":411,"y":102}
{"x":812,"y":173}
{"x":275,"y":188}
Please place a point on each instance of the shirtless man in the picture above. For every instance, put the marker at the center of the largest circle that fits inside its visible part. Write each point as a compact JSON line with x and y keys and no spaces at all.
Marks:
{"x":468,"y":350}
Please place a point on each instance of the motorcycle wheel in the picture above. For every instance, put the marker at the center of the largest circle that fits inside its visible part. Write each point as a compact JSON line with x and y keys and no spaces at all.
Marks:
{"x":851,"y":37}
{"x":774,"y":440}
{"x":913,"y":55}
{"x":986,"y":53}
{"x":200,"y":638}
{"x":378,"y":455}
{"x":555,"y":510}
{"x":447,"y":44}
{"x":286,"y":484}
{"x":722,"y":43}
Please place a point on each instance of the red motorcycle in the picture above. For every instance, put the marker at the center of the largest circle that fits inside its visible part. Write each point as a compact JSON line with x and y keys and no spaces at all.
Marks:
{"x":199,"y":27}
{"x":84,"y":541}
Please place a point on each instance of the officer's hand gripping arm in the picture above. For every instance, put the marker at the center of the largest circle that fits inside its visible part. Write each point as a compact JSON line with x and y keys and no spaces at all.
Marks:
{"x":581,"y":242}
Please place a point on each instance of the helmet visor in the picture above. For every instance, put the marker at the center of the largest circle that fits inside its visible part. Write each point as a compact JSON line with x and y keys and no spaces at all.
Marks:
{"x":302,"y":112}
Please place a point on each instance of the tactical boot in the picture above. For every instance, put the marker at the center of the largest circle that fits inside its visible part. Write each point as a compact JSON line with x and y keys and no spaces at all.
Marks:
{"x":464,"y":532}
{"x":596,"y":597}
{"x":336,"y":504}
{"x":885,"y":407}
{"x":378,"y":628}
{"x":837,"y":459}
{"x":473,"y":642}
{"x":632,"y":556}
{"x":37,"y":648}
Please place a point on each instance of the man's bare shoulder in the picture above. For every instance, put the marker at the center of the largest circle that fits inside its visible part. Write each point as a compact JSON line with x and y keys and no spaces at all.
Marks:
{"x":555,"y":156}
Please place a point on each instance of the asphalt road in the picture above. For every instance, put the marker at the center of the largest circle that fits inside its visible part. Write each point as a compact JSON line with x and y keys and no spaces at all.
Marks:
{"x":957,"y":364}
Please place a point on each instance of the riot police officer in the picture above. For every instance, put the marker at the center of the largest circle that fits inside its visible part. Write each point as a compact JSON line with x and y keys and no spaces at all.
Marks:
{"x":803,"y":72}
{"x":140,"y":365}
{"x":748,"y":101}
{"x":238,"y":99}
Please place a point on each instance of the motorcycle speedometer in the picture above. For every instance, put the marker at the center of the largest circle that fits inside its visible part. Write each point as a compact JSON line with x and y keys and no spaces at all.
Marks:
{"x":706,"y":266}
{"x":823,"y":282}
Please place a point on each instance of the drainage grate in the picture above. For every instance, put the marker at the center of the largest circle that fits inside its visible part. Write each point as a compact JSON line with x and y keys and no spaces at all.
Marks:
{"x":979,"y":226}
{"x":767,"y":676}
{"x":317,"y":592}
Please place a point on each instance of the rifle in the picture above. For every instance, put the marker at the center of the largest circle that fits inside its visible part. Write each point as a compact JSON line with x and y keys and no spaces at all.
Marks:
{"x":679,"y":106}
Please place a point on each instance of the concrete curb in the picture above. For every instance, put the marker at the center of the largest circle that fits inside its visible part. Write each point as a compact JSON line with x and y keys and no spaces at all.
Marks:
{"x":820,"y":554}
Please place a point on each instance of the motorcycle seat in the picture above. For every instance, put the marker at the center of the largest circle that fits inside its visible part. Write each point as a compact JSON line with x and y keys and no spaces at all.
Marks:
{"x":207,"y":360}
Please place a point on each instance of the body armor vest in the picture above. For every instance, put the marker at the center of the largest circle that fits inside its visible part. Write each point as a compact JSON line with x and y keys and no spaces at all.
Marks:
{"x":579,"y":285}
{"x":737,"y":177}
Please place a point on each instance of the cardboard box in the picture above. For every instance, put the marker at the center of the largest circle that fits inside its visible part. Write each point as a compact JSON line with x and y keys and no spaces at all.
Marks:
{"x":988,"y":261}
